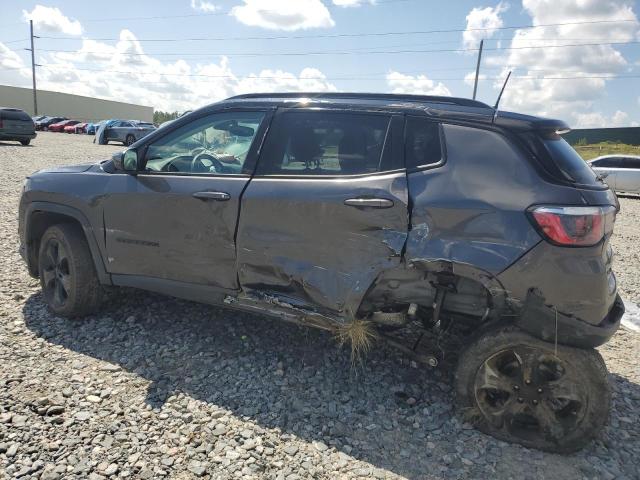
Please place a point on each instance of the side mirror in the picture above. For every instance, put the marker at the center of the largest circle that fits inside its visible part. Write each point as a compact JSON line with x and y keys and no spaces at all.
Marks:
{"x":126,"y":161}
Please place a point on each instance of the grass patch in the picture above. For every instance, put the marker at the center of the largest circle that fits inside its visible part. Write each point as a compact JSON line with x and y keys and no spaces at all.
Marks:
{"x":589,"y":152}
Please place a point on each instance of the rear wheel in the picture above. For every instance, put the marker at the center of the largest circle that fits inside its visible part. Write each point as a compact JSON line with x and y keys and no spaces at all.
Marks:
{"x":130,"y":140}
{"x":25,"y":142}
{"x":67,"y":275}
{"x":518,"y":389}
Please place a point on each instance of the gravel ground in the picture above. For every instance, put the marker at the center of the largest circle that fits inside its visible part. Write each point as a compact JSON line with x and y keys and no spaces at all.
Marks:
{"x":161,"y":388}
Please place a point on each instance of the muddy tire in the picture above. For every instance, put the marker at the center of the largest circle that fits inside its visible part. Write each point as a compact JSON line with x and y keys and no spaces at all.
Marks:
{"x":68,"y":277}
{"x":514,"y":387}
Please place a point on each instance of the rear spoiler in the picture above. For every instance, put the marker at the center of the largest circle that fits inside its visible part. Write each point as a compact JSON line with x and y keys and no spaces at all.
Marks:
{"x":517,"y":121}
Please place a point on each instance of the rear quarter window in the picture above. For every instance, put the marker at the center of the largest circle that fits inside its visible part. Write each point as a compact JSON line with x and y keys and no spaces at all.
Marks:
{"x":14,"y":114}
{"x":570,"y":163}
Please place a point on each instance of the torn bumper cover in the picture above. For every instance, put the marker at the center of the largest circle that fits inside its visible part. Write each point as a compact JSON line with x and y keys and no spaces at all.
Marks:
{"x":545,"y":322}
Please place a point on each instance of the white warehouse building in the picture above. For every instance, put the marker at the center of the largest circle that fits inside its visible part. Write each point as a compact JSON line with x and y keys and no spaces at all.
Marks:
{"x":77,"y":107}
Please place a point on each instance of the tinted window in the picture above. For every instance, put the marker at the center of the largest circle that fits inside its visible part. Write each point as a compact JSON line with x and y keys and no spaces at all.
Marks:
{"x":422,"y":143}
{"x":14,"y":114}
{"x":326,"y":143}
{"x":568,"y":161}
{"x":613,"y":162}
{"x":216,"y":144}
{"x":631,"y":162}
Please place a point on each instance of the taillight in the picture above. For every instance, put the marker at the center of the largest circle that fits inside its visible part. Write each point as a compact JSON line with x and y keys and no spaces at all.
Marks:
{"x":574,"y":226}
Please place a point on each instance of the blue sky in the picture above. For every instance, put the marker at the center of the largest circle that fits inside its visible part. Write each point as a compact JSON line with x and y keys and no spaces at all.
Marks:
{"x":106,"y":53}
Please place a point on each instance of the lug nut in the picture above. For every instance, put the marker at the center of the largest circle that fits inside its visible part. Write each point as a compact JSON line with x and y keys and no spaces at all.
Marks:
{"x":539,"y":390}
{"x":516,"y":388}
{"x":535,"y":402}
{"x":527,"y":381}
{"x":520,"y":399}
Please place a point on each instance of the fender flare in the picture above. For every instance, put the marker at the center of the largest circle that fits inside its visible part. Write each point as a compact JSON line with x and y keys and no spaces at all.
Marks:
{"x":49,"y":207}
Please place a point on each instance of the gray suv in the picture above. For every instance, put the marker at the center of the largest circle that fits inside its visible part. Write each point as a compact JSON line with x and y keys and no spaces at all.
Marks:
{"x":16,"y":125}
{"x":370,"y":216}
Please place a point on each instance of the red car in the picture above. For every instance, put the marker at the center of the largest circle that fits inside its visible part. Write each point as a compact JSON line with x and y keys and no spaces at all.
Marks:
{"x":59,"y":127}
{"x":77,"y":128}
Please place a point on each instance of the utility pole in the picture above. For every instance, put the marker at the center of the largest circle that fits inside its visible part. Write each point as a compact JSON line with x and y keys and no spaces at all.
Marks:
{"x":475,"y":84}
{"x":33,"y":71}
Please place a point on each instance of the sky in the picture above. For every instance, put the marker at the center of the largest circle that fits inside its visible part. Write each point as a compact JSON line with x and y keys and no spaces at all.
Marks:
{"x":578,"y":60}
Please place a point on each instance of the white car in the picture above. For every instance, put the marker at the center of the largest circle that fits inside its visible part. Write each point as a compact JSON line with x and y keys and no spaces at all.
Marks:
{"x":621,"y":172}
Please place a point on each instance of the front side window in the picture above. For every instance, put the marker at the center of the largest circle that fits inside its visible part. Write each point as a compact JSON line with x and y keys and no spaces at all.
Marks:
{"x":326,"y":143}
{"x":215,"y":144}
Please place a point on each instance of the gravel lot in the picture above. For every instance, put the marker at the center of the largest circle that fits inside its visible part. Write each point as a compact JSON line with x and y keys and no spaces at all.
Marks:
{"x":161,"y":388}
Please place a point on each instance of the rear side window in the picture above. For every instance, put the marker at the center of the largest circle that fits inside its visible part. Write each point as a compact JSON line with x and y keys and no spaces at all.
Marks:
{"x":422,"y":143}
{"x":14,"y":114}
{"x":614,"y":162}
{"x":326,"y":143}
{"x":569,"y":161}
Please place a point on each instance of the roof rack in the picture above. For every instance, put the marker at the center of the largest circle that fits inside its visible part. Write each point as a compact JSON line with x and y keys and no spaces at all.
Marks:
{"x":463,"y":102}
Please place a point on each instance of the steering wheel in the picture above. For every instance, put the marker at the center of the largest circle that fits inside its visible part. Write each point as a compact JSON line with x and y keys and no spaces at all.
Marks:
{"x":197,"y":164}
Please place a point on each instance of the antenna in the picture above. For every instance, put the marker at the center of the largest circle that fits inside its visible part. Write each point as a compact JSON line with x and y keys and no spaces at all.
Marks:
{"x":495,"y":107}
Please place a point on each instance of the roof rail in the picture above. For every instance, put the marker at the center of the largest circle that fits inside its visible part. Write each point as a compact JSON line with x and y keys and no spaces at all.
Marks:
{"x":463,"y":102}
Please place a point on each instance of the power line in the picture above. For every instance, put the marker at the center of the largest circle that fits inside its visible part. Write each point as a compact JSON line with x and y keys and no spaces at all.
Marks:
{"x":354,"y":77}
{"x":340,"y":52}
{"x":351,"y":35}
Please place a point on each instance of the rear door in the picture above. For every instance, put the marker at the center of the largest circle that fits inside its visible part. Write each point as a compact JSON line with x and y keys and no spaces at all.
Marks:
{"x":628,"y":175}
{"x":176,"y":219}
{"x":326,"y":210}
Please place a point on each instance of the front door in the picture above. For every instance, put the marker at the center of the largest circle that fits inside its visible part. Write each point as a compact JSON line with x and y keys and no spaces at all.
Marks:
{"x":176,"y":219}
{"x":327,"y":209}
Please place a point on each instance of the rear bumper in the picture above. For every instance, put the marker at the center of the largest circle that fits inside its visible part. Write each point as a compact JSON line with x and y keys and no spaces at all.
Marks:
{"x":17,"y":136}
{"x":550,"y":325}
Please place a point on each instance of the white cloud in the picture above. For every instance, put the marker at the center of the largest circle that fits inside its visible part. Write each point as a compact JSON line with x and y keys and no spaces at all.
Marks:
{"x":573,"y":99}
{"x":283,"y":14}
{"x":51,"y":19}
{"x":203,"y":6}
{"x":470,"y":78}
{"x":113,"y":73}
{"x":599,"y":120}
{"x":419,"y":84}
{"x":482,"y":23}
{"x":9,"y":58}
{"x":352,"y":3}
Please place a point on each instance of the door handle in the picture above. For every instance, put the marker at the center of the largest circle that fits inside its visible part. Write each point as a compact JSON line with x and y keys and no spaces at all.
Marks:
{"x":217,"y":196}
{"x":369,"y":202}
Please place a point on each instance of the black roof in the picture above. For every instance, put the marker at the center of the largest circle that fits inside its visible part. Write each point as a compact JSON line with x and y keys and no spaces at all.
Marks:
{"x":445,"y":108}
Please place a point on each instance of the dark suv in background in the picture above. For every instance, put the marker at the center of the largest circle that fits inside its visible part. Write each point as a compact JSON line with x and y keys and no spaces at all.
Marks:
{"x":364,"y":215}
{"x":16,"y":125}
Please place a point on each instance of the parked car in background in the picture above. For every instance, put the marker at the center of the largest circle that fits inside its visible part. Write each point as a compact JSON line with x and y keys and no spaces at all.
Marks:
{"x":125,"y":131}
{"x":359,"y":214}
{"x":48,"y":121}
{"x":59,"y":127}
{"x":37,"y":118}
{"x":620,"y":172}
{"x":75,"y":128}
{"x":16,"y":125}
{"x":92,"y":127}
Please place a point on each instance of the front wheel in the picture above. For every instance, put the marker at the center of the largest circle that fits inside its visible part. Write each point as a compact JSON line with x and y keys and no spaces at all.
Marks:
{"x":130,"y":140}
{"x":520,"y":389}
{"x":70,"y":285}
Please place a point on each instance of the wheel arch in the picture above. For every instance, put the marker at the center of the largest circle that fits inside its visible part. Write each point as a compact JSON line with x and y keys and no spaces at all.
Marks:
{"x":418,"y":282}
{"x":42,"y":215}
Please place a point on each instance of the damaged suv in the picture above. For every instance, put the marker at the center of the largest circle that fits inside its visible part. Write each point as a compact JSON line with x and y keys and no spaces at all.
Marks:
{"x":362,"y":211}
